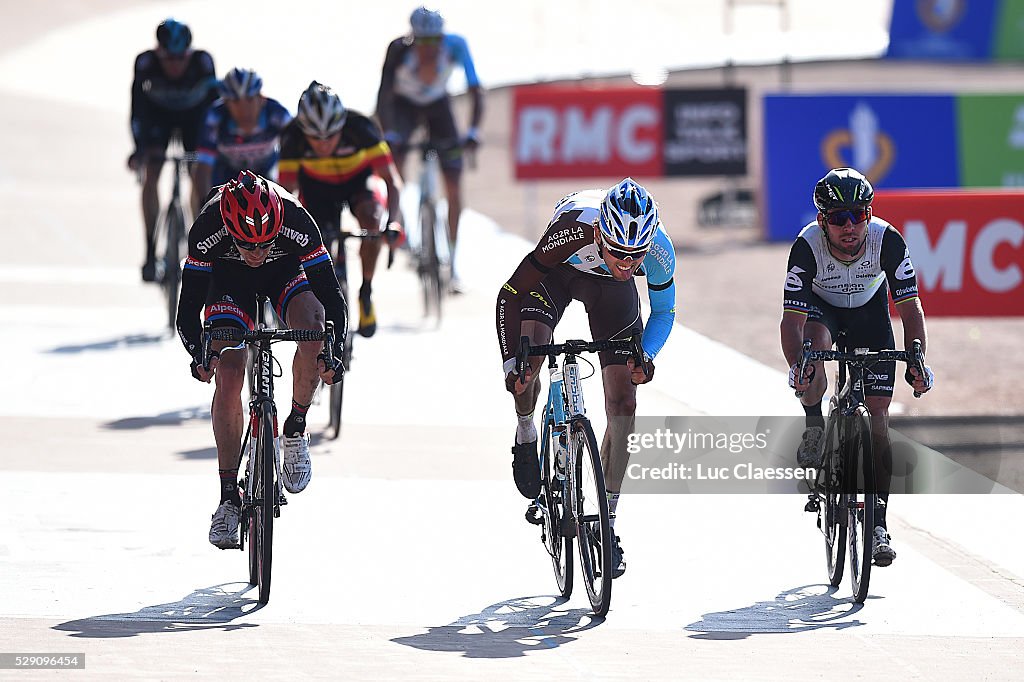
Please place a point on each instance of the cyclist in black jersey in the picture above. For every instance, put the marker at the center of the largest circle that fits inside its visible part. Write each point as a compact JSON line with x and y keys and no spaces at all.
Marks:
{"x":173,"y":86}
{"x":842,"y":269}
{"x":335,"y":157}
{"x":254,"y":238}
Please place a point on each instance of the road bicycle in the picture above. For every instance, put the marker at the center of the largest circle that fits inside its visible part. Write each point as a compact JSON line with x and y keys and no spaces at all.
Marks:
{"x":573,"y":501}
{"x":844,"y":493}
{"x":172,"y":229}
{"x":260,"y":486}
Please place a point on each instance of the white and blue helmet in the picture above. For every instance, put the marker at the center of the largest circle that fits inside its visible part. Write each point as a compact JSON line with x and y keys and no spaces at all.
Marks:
{"x":239,"y":83}
{"x":426,"y":23}
{"x":629,"y":217}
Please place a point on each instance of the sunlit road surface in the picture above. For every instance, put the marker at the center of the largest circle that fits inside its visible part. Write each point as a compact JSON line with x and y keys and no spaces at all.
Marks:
{"x":408,"y":555}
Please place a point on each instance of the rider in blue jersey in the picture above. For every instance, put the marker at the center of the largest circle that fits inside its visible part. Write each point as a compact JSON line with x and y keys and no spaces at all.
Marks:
{"x":242,"y":131}
{"x":595,"y":244}
{"x":414,"y":91}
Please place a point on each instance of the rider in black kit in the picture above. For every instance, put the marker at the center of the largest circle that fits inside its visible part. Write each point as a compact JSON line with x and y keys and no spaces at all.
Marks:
{"x":841,"y":270}
{"x":253,"y":237}
{"x":173,"y":87}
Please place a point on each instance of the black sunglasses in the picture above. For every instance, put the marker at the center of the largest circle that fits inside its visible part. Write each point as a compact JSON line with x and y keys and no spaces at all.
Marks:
{"x":253,"y":246}
{"x":839,"y":218}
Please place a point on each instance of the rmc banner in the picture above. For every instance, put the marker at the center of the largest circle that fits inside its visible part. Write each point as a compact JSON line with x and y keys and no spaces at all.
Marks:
{"x":582,"y":132}
{"x":957,"y":30}
{"x":967,"y":248}
{"x":898,"y":141}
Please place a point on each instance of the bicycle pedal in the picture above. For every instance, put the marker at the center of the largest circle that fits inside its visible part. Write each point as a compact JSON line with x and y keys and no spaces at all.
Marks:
{"x":534,"y":516}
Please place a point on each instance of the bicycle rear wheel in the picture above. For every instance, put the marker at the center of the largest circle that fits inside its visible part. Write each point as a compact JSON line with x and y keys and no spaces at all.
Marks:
{"x":261,"y":517}
{"x":860,"y":501}
{"x":552,"y":496}
{"x":832,"y":516}
{"x":175,"y":223}
{"x":593,"y":526}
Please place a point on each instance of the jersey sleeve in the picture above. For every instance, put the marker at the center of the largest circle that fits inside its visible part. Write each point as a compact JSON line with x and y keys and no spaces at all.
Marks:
{"x":898,"y":268}
{"x":207,"y":239}
{"x":291,"y":155}
{"x":660,"y":265}
{"x":460,"y":51}
{"x":386,"y":92}
{"x":800,"y":274}
{"x":140,"y":109}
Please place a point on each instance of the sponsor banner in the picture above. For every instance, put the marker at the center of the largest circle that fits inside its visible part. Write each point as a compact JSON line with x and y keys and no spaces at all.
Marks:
{"x":967,"y":248}
{"x":706,"y":132}
{"x":757,"y":455}
{"x":880,"y":135}
{"x":991,"y":135}
{"x":580,"y":132}
{"x":959,"y":30}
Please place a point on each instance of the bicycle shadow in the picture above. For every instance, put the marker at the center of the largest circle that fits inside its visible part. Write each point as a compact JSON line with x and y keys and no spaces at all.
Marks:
{"x":116,"y":343}
{"x":173,"y":418}
{"x":800,"y":609}
{"x":206,"y":608}
{"x":508,"y":629}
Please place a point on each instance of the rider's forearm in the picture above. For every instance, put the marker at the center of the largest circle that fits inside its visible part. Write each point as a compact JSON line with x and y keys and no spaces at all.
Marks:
{"x":477,"y":115}
{"x":324,"y":283}
{"x":912,"y":316}
{"x":792,"y":333}
{"x":190,"y":304}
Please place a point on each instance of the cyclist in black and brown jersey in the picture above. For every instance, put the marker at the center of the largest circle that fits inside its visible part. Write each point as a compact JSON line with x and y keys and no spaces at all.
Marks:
{"x":842,"y":268}
{"x":253,"y":238}
{"x":335,"y":157}
{"x":595,"y":244}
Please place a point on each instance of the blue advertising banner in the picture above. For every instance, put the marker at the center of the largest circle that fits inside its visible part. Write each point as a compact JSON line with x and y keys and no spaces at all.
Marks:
{"x":943,"y":29}
{"x":898,"y":141}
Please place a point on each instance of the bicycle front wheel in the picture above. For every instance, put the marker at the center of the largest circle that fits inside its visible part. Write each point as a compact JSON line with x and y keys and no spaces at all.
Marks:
{"x":861,"y":498}
{"x":261,"y":517}
{"x":832,"y":514}
{"x":593,"y":526}
{"x":430,"y":262}
{"x":555,"y":511}
{"x":172,"y":260}
{"x":338,"y":391}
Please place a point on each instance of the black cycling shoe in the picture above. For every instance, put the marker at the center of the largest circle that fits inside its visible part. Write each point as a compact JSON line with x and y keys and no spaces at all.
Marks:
{"x":526,"y":469}
{"x":149,"y":271}
{"x":618,"y":563}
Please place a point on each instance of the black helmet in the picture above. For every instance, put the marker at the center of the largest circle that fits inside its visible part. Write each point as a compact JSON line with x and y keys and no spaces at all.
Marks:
{"x":173,"y":36}
{"x":843,"y":188}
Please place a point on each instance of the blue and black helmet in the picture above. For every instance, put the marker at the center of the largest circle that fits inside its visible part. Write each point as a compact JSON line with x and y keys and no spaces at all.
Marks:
{"x":173,"y":36}
{"x":629,"y":217}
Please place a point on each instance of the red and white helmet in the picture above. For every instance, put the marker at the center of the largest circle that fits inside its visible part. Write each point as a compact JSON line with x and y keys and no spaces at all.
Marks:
{"x":251,"y":208}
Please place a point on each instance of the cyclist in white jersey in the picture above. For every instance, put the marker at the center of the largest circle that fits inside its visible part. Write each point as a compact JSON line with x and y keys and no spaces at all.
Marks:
{"x":414,"y":91}
{"x":595,"y":244}
{"x":841,"y":270}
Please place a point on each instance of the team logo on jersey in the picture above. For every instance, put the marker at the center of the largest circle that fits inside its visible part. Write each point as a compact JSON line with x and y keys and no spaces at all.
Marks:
{"x":862,"y":145}
{"x":793,"y":281}
{"x":905,"y":270}
{"x":941,"y":15}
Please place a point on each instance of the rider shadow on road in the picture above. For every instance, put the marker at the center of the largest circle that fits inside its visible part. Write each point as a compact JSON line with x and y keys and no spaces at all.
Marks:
{"x":174,"y":418}
{"x":800,"y":609}
{"x":206,"y":608}
{"x":117,"y":343}
{"x":508,"y":629}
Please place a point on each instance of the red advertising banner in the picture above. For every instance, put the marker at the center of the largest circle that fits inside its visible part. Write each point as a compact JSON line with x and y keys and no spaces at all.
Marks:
{"x":579,"y":132}
{"x":967,"y":248}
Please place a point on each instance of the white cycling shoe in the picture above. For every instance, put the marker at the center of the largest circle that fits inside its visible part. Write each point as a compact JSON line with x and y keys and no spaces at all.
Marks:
{"x":224,"y":526}
{"x":809,"y":453}
{"x":296,"y":469}
{"x":882,"y":554}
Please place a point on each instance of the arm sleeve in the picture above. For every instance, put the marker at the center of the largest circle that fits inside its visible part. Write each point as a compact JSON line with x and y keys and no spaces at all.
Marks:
{"x":509,"y":306}
{"x":139,"y":108}
{"x":460,"y":48}
{"x":660,"y":263}
{"x":326,"y":288}
{"x":386,"y":92}
{"x":800,"y":274}
{"x":898,"y":268}
{"x":195,"y":282}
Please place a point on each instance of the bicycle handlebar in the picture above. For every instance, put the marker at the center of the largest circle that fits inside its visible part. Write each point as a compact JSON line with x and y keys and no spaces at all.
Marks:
{"x":252,"y":336}
{"x":575,"y":347}
{"x":860,"y":357}
{"x":366,"y":234}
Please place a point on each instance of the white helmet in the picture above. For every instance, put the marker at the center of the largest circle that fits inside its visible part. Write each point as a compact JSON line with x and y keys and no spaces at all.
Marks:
{"x":426,"y":22}
{"x":629,"y":217}
{"x":320,"y":112}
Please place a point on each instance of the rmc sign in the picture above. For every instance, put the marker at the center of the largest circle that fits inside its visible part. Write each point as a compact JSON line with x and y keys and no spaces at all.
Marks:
{"x":967,"y":248}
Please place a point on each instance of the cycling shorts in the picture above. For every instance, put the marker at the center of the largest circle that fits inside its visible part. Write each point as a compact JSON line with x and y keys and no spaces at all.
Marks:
{"x":866,"y":327}
{"x":157,"y":131}
{"x":231,"y":299}
{"x":613,"y":307}
{"x":440,"y":123}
